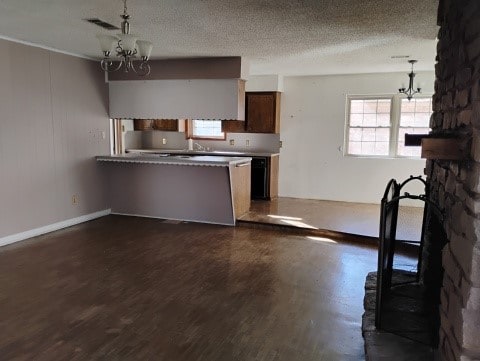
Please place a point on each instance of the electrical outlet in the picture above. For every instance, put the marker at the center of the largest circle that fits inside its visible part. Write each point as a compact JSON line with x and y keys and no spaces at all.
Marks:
{"x":247,"y":143}
{"x":164,"y":141}
{"x":103,"y":135}
{"x":232,"y":141}
{"x":281,"y":144}
{"x":74,"y":199}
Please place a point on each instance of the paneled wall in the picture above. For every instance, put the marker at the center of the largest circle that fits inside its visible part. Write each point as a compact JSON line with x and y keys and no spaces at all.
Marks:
{"x":53,"y":118}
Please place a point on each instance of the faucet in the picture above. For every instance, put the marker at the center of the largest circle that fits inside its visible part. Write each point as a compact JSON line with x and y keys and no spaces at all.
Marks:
{"x":199,"y":147}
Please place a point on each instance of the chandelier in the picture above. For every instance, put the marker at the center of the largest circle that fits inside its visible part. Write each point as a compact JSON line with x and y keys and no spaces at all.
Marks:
{"x":128,"y":47}
{"x":410,"y":92}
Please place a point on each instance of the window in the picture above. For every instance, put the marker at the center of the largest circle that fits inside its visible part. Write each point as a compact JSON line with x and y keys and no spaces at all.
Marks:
{"x":206,"y":129}
{"x":369,"y":128}
{"x":414,"y":119}
{"x":377,"y":126}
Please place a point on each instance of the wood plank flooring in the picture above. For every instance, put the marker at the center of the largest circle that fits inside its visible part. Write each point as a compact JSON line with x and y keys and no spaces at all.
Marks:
{"x":126,"y":288}
{"x":346,"y":217}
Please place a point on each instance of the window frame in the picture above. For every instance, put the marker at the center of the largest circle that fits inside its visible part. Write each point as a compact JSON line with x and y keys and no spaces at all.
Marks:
{"x":190,"y":135}
{"x":400,"y":99}
{"x":395,"y":114}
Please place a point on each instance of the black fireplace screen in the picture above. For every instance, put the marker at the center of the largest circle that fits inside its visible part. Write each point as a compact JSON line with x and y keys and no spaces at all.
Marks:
{"x":405,"y":305}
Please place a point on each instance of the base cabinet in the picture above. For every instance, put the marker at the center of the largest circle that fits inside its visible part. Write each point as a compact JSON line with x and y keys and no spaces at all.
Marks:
{"x":273,"y":168}
{"x":240,"y":174}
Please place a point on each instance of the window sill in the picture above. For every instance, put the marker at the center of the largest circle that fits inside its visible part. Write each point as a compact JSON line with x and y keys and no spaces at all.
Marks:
{"x":381,"y":157}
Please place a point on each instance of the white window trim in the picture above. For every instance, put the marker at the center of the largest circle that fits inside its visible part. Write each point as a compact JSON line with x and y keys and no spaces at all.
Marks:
{"x":395,"y":112}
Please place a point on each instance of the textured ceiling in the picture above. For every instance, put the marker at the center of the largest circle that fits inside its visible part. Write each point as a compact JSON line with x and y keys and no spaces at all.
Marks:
{"x":290,"y":37}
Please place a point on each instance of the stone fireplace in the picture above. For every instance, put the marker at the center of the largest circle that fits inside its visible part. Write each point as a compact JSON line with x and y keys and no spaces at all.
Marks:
{"x":455,"y":185}
{"x":450,"y":261}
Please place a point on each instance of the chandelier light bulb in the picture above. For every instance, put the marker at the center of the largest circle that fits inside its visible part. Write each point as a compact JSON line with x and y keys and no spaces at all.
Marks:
{"x":126,"y":47}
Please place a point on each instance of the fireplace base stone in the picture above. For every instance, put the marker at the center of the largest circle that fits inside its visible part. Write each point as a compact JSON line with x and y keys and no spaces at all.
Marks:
{"x":407,"y":334}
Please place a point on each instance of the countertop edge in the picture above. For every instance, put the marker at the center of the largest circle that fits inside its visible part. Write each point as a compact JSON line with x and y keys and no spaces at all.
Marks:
{"x":172,"y":161}
{"x":211,"y":153}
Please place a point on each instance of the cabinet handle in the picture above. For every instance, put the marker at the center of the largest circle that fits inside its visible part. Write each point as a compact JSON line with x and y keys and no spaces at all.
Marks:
{"x":241,"y":165}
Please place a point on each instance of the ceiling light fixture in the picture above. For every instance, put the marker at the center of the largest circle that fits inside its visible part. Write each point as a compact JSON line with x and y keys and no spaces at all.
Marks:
{"x":128,"y":47}
{"x":410,"y":92}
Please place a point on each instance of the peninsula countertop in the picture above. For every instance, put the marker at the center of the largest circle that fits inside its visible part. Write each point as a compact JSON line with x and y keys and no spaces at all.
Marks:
{"x":192,"y":188}
{"x":216,"y":153}
{"x":176,"y":159}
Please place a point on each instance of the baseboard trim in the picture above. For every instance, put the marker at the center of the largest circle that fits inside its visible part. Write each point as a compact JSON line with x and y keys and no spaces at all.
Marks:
{"x":52,"y":227}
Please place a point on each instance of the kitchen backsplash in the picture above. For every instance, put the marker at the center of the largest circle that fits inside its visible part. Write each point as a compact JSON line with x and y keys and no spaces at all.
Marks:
{"x":176,"y":140}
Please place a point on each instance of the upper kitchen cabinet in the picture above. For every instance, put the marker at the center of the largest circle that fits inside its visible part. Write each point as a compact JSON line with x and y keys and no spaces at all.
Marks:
{"x":233,"y":126}
{"x":262,"y":112}
{"x":143,"y":124}
{"x":168,"y":125}
{"x":178,"y":99}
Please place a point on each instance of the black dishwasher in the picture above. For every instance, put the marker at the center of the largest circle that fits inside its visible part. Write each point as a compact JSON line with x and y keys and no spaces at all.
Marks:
{"x":259,"y":178}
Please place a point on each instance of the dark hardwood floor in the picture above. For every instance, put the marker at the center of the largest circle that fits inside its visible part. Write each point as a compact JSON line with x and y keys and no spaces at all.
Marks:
{"x":125,"y":288}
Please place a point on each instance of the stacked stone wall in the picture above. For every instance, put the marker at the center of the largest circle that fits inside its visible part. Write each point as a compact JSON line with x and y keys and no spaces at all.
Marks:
{"x":455,"y":185}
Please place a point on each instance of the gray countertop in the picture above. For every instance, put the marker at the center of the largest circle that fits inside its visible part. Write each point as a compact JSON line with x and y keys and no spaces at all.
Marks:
{"x":215,"y":153}
{"x":179,"y":159}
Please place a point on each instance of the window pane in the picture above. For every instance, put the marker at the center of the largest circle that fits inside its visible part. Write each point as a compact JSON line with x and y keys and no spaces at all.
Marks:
{"x":355,"y":148}
{"x":368,"y":148}
{"x":355,"y":134}
{"x":422,"y":119}
{"x":370,"y":106}
{"x":356,"y":120}
{"x":404,"y":151}
{"x":207,"y":128}
{"x":383,"y":135}
{"x":423,"y":105}
{"x":384,"y":106}
{"x":369,"y":132}
{"x":381,"y":148}
{"x":383,"y":120}
{"x":407,"y":119}
{"x":356,"y":106}
{"x":414,"y":119}
{"x":408,"y":106}
{"x":370,"y":120}
{"x":409,"y":151}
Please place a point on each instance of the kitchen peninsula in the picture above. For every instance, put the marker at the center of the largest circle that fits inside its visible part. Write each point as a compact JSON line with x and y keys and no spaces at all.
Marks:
{"x":198,"y":188}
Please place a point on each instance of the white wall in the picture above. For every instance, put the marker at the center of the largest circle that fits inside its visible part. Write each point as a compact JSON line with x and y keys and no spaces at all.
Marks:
{"x":259,"y":83}
{"x":312,"y":164}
